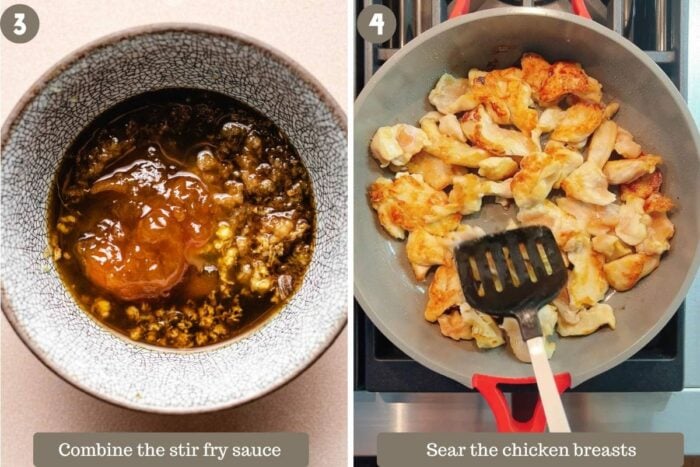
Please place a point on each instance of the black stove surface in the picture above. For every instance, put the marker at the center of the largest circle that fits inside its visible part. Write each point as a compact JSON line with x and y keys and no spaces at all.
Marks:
{"x":381,"y":367}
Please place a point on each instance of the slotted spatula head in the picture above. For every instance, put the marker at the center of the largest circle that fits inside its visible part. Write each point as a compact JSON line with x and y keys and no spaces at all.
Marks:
{"x":511,"y":271}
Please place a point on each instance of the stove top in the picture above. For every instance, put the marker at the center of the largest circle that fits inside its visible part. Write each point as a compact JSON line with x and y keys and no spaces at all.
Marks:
{"x":382,"y":367}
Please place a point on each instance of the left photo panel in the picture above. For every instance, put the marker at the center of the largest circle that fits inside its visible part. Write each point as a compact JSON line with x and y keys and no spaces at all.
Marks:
{"x":174,"y":232}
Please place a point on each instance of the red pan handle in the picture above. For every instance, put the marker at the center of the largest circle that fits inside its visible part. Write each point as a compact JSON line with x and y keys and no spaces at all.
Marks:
{"x":579,"y":7}
{"x":488,"y":387}
{"x":461,"y":7}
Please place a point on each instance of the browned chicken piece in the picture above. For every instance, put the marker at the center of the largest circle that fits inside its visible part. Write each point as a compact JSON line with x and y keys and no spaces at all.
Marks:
{"x":578,"y":122}
{"x":444,"y":292}
{"x":569,"y":159}
{"x":550,"y":83}
{"x":408,"y":203}
{"x":588,"y":183}
{"x":425,"y":250}
{"x":660,"y":231}
{"x":625,"y":145}
{"x":632,"y":227}
{"x":506,"y":97}
{"x":535,"y":71}
{"x":482,"y":131}
{"x":590,"y":320}
{"x":451,"y":95}
{"x":470,"y":324}
{"x":436,"y":173}
{"x":498,"y":168}
{"x":656,"y":202}
{"x":587,"y":284}
{"x":537,"y":175}
{"x":602,"y":143}
{"x":628,"y":170}
{"x":610,"y":246}
{"x":452,"y":325}
{"x":643,"y":187}
{"x":397,"y":144}
{"x":469,"y":190}
{"x":562,"y":225}
{"x":449,"y":149}
{"x":624,"y":273}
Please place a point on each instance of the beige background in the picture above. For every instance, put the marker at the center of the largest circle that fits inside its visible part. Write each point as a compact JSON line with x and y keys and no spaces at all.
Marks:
{"x":312,"y":32}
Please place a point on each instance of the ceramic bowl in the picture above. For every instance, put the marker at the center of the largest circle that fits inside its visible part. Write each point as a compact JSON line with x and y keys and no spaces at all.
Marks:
{"x":35,"y":138}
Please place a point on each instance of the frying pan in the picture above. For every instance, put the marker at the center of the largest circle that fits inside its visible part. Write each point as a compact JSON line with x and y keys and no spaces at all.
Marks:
{"x":651,"y":108}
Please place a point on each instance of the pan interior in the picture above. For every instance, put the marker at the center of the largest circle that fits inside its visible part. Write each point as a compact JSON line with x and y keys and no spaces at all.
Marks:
{"x":651,"y":109}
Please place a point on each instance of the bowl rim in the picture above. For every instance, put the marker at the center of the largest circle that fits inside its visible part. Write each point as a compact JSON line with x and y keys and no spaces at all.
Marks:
{"x":109,"y":40}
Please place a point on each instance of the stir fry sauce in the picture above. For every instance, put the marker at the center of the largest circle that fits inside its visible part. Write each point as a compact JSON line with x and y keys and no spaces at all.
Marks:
{"x":182,"y":218}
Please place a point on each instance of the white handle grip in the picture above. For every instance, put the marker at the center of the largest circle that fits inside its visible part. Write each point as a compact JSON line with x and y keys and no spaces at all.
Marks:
{"x":549,"y":395}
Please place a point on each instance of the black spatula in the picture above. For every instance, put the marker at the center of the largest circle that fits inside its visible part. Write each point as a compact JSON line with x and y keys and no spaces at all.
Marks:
{"x":513,"y":274}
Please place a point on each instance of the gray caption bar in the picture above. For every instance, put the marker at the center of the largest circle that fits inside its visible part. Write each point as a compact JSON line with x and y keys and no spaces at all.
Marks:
{"x":530,"y":449}
{"x":171,"y":449}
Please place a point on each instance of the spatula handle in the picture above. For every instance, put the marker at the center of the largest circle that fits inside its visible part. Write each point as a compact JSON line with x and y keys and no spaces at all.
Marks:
{"x":549,"y":394}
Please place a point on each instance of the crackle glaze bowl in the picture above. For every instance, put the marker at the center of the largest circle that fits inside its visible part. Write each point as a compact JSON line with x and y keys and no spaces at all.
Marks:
{"x":45,"y":123}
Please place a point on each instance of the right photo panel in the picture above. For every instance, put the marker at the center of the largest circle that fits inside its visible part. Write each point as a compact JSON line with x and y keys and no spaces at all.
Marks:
{"x":526,"y":232}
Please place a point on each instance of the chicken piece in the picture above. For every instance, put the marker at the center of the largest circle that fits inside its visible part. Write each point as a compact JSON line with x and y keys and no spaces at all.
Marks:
{"x":482,"y":131}
{"x":550,"y":119}
{"x":602,"y":143}
{"x":591,"y":319}
{"x":610,"y":246}
{"x":449,"y":125}
{"x":436,"y":173}
{"x":537,"y":175}
{"x":562,"y":225}
{"x":497,"y":168}
{"x":454,"y":326}
{"x":628,"y":170}
{"x":578,"y":122}
{"x":586,"y":285}
{"x":632,"y":227}
{"x":643,"y":187}
{"x":596,"y":220}
{"x":660,"y":230}
{"x":566,"y":312}
{"x":449,"y":149}
{"x":445,"y":292}
{"x":624,"y":273}
{"x":610,"y":110}
{"x":625,"y":145}
{"x":568,"y":78}
{"x":451,"y":95}
{"x":552,"y":82}
{"x":588,"y":183}
{"x":397,"y":144}
{"x":547,"y":316}
{"x":656,"y":202}
{"x":484,"y":329}
{"x":535,"y":71}
{"x":425,"y":250}
{"x":506,"y":97}
{"x":408,"y":203}
{"x":568,"y":159}
{"x":468,"y":191}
